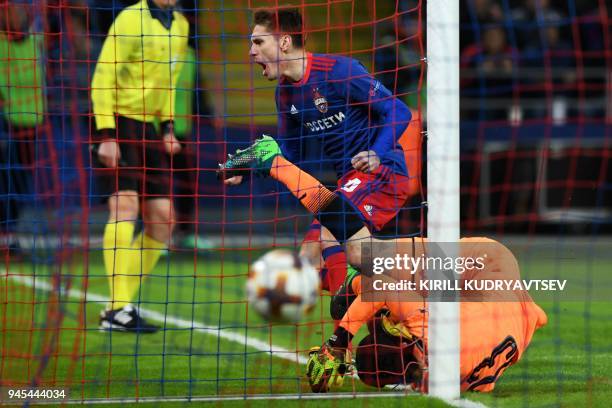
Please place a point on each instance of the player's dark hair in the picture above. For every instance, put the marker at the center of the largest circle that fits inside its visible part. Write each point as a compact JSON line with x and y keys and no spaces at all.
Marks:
{"x":288,"y":21}
{"x":382,"y":359}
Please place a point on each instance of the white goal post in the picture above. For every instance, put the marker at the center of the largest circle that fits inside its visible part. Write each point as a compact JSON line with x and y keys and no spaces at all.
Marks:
{"x":443,"y":182}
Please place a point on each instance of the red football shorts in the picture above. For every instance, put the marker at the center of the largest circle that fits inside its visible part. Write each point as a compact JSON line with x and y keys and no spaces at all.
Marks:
{"x":378,"y":195}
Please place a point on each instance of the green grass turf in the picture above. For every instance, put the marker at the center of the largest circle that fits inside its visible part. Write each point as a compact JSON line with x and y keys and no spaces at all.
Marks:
{"x":411,"y":401}
{"x":567,"y":363}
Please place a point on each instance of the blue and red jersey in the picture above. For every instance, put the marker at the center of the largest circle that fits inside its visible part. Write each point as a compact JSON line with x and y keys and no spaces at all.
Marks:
{"x":339,"y":103}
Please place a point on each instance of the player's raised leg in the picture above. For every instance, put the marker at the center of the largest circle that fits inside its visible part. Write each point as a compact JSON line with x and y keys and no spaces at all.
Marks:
{"x":264,"y":157}
{"x":336,"y":217}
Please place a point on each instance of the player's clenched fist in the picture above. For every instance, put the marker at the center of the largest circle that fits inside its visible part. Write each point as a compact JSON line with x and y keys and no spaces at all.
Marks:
{"x":109,"y":153}
{"x":171,"y":144}
{"x":366,"y":162}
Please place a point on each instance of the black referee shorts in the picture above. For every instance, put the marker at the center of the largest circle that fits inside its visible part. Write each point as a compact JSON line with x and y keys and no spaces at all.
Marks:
{"x":144,"y":165}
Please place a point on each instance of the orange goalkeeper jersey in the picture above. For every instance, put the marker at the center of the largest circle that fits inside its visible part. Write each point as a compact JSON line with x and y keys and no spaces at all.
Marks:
{"x":411,"y":141}
{"x":494,"y":335}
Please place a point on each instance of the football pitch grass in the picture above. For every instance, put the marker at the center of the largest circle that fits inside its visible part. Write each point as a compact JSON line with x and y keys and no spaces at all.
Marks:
{"x":213,"y":345}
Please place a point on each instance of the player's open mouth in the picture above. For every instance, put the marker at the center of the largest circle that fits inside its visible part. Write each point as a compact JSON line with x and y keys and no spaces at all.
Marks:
{"x":264,"y":66}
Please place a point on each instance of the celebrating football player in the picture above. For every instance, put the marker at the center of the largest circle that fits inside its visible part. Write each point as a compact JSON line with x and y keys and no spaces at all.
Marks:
{"x":364,"y":131}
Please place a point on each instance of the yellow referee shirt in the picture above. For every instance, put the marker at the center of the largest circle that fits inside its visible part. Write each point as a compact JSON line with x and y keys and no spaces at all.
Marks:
{"x":138,"y":67}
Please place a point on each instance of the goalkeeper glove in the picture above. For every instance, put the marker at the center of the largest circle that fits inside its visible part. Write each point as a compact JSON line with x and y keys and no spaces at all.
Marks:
{"x":326,"y":367}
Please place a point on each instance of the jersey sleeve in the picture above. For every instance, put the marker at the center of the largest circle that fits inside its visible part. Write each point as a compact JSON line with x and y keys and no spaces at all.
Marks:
{"x":289,"y":136}
{"x":393,"y":115}
{"x":168,"y":110}
{"x":122,"y":38}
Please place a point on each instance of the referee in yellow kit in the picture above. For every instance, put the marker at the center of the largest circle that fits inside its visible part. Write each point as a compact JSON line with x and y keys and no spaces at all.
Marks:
{"x":133,"y":87}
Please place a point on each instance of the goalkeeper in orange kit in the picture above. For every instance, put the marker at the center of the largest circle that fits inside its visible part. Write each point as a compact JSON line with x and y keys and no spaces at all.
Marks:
{"x":494,"y":334}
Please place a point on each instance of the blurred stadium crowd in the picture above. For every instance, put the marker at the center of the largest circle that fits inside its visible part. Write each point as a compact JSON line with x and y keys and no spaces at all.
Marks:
{"x":513,"y":52}
{"x":520,"y":59}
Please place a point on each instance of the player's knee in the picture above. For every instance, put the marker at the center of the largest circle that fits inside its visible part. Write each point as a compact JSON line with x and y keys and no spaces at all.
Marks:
{"x":159,"y":219}
{"x":123,"y":206}
{"x":311,"y":250}
{"x":353,"y":253}
{"x":378,"y":350}
{"x":340,"y":219}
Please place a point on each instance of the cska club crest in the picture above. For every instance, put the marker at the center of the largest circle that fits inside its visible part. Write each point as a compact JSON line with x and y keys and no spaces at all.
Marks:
{"x":319,"y":100}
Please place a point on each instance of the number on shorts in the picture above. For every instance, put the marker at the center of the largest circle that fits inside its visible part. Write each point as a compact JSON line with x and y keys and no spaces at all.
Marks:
{"x":351,"y":185}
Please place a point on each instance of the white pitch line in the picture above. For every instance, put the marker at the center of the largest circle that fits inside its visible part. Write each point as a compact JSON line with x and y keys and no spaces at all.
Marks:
{"x":464,"y":403}
{"x":215,"y":331}
{"x":257,"y":344}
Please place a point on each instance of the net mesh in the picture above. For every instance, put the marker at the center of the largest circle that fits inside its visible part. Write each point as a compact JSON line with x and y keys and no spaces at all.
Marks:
{"x":535,"y":145}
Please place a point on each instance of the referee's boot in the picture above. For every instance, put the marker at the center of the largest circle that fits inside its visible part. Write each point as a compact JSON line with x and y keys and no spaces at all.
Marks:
{"x":126,"y":319}
{"x":258,"y":157}
{"x":344,"y":297}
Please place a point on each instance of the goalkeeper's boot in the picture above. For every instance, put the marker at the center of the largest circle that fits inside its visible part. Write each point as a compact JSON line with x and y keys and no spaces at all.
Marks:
{"x":344,"y":297}
{"x":326,"y":367}
{"x":125,"y":319}
{"x":259,"y":157}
